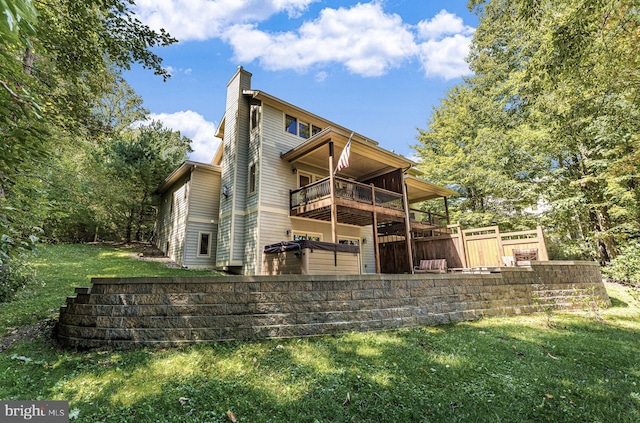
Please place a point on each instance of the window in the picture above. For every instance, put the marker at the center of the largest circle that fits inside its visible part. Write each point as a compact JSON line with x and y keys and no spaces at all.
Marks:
{"x":304,"y":180}
{"x":349,"y":241}
{"x":255,"y":116}
{"x":204,"y":244}
{"x":310,"y":236}
{"x":291,"y":125}
{"x":252,"y":178}
{"x":304,"y":130}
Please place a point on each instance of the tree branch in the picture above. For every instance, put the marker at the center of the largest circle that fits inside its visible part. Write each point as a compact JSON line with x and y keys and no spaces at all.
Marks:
{"x":11,"y":93}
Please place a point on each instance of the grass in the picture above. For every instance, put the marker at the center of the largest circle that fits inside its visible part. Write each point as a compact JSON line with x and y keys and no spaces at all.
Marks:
{"x":63,"y":267}
{"x":513,"y":369}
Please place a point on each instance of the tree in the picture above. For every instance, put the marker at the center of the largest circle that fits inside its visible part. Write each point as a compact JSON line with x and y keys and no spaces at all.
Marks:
{"x":557,"y":84}
{"x":135,"y":163}
{"x":491,"y":174}
{"x":59,"y":60}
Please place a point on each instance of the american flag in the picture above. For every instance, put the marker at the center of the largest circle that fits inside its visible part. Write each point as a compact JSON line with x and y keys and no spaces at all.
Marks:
{"x":344,"y":157}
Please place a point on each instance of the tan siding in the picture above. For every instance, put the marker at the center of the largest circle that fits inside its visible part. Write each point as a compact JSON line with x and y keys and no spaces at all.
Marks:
{"x":204,"y":202}
{"x":204,"y":209}
{"x":172,"y":220}
{"x":231,"y":227}
{"x":276,"y":180}
{"x":251,"y":245}
{"x":251,"y":238}
{"x":323,"y":262}
{"x":192,"y":238}
{"x":277,"y":177}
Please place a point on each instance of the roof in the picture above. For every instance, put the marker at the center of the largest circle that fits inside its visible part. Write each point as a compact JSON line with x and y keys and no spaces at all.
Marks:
{"x":421,"y":190}
{"x":367,"y":159}
{"x":185,"y":168}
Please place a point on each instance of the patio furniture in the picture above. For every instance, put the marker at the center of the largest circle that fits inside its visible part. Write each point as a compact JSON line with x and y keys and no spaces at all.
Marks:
{"x":525,"y":255}
{"x":431,"y":266}
{"x":508,"y":261}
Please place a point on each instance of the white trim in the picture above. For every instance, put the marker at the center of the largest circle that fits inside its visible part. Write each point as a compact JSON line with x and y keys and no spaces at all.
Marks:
{"x":202,"y":220}
{"x":313,"y":177}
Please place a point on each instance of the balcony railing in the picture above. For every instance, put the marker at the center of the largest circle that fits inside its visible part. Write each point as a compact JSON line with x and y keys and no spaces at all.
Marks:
{"x":428,"y":217}
{"x":346,"y":190}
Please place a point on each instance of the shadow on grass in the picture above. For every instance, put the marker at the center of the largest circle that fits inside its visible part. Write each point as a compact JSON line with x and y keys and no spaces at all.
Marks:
{"x":615,"y":302}
{"x":491,"y":370}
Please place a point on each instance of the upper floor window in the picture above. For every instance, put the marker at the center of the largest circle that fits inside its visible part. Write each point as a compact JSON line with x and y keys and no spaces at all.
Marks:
{"x":305,"y":179}
{"x":255,"y":116}
{"x":295,"y":126}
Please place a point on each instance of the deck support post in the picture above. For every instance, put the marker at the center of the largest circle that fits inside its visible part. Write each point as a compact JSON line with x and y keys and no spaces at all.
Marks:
{"x":446,"y":210}
{"x":332,"y":191}
{"x":407,"y":220}
{"x":376,"y":247}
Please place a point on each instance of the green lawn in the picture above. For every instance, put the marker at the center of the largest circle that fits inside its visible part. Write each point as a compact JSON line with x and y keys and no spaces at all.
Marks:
{"x":511,"y":369}
{"x":63,"y":267}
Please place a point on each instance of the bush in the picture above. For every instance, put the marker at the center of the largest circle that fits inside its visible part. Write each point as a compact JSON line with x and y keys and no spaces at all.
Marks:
{"x":14,"y":275}
{"x":626,"y":267}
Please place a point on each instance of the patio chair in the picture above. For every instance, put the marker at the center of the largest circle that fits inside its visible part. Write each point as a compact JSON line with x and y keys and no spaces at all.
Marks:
{"x":431,"y":266}
{"x":525,"y":254}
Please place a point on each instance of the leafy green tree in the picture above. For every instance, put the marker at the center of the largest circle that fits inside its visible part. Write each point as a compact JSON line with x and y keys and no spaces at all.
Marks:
{"x":554,"y":106}
{"x":135,"y":163}
{"x":491,"y":174}
{"x":59,"y":60}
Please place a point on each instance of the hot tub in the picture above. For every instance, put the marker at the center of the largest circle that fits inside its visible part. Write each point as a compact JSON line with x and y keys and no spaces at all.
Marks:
{"x":311,"y":258}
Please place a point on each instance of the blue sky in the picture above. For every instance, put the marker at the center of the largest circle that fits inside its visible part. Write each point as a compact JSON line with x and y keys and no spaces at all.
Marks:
{"x":374,"y":67}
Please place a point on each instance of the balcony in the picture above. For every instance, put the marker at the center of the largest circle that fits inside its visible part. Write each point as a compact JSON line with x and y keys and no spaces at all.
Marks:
{"x":355,"y":203}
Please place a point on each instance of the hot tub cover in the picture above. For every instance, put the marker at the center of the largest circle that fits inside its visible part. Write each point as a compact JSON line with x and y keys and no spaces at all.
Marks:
{"x":312,"y":245}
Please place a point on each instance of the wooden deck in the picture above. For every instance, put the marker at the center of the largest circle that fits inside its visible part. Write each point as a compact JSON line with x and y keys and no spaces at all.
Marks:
{"x":356,"y":203}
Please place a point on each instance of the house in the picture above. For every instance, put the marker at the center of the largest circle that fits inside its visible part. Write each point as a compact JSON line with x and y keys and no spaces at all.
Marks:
{"x":275,"y":178}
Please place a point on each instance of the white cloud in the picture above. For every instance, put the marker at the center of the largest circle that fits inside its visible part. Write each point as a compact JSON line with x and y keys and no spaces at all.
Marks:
{"x":194,"y":126}
{"x":363,"y":38}
{"x":445,"y":46}
{"x":446,"y":57}
{"x":444,"y":23}
{"x":321,"y":76}
{"x":204,"y":19}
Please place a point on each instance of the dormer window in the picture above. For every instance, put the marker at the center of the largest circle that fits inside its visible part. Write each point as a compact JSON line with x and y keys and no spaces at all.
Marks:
{"x":295,"y":126}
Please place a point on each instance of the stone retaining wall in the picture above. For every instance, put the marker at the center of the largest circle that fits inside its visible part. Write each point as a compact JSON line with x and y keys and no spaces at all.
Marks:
{"x":131,"y":312}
